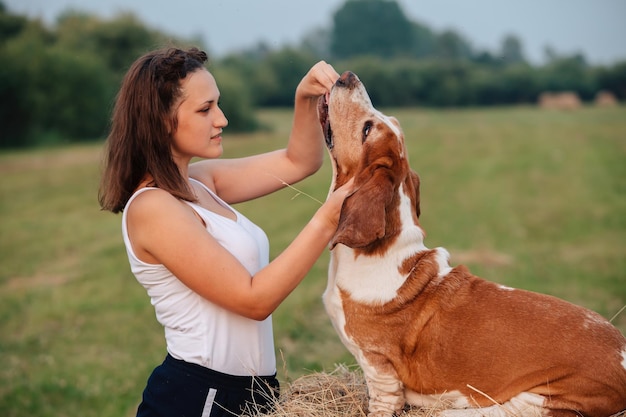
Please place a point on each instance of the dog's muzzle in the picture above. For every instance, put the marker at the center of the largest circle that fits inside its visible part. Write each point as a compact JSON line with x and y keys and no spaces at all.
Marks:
{"x":347,"y":80}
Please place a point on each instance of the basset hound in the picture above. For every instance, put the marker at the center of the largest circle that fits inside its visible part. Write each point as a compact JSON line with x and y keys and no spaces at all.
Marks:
{"x":426,"y":333}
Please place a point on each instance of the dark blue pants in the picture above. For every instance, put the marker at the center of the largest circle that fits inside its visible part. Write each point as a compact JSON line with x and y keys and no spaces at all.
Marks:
{"x":180,"y":389}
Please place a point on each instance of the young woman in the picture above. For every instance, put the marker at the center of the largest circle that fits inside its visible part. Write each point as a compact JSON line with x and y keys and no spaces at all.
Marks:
{"x":204,"y":265}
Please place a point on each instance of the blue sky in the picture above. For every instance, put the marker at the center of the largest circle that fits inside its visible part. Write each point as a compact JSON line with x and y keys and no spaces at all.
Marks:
{"x":594,"y":27}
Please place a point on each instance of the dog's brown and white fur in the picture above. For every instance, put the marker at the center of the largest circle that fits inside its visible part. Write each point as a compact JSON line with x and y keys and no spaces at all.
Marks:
{"x":426,"y":333}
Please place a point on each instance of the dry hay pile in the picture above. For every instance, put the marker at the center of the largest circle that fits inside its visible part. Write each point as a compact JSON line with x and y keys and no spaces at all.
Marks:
{"x":566,"y":100}
{"x":341,"y":392}
{"x":605,"y":99}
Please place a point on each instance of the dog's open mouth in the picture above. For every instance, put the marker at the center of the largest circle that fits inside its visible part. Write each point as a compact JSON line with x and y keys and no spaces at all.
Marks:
{"x":322,"y":108}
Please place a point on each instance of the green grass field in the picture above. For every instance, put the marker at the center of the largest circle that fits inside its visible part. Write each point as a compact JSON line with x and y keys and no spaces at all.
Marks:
{"x":529,"y":198}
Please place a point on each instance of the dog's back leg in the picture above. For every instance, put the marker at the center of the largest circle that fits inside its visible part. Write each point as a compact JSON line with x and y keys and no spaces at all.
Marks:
{"x":522,"y":405}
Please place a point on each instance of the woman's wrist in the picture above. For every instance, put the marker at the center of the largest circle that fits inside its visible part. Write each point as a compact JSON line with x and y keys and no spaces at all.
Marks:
{"x":323,"y":225}
{"x":305,"y":110}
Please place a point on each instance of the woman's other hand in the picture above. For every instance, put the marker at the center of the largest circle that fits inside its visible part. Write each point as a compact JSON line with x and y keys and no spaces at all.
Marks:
{"x":331,"y":209}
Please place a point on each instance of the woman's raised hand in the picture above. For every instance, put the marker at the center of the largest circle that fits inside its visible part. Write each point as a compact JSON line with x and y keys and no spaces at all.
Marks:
{"x":318,"y":81}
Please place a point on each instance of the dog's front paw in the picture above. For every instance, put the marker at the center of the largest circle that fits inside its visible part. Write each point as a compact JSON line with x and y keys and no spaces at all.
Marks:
{"x":388,"y":406}
{"x":384,"y":413}
{"x":386,"y":393}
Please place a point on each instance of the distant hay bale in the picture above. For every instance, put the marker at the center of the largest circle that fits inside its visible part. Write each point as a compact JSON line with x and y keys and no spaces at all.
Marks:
{"x":605,"y":99}
{"x":566,"y":100}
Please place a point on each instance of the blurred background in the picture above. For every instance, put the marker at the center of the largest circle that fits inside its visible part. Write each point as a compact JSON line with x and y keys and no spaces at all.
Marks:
{"x":63,"y":59}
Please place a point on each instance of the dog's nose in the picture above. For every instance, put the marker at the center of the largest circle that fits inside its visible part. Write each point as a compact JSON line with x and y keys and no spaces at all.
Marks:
{"x":348,"y":79}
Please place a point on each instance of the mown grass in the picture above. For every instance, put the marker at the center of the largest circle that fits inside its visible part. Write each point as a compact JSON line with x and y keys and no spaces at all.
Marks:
{"x":529,"y":198}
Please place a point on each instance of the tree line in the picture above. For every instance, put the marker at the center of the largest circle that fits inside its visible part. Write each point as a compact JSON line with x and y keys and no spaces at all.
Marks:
{"x":58,"y":84}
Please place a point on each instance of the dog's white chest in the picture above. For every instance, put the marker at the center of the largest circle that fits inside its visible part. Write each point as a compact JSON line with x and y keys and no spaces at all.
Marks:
{"x":368,"y":279}
{"x":376,"y":280}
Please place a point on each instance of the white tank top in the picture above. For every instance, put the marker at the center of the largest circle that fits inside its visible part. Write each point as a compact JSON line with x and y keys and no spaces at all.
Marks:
{"x":197,"y":330}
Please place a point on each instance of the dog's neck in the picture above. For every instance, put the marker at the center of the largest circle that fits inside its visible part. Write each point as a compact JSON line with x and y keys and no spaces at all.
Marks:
{"x":406,"y":243}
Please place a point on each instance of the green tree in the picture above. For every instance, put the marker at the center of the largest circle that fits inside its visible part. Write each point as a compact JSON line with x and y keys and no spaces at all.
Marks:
{"x":235,"y":100}
{"x":376,"y":76}
{"x":424,"y":41}
{"x":77,"y":95}
{"x":16,"y":117}
{"x":518,"y":84}
{"x":10,"y":24}
{"x":568,"y":73}
{"x":51,"y":94}
{"x":119,"y":41}
{"x":21,"y":100}
{"x":281,"y":73}
{"x":317,"y":42}
{"x":512,"y":50}
{"x":371,"y":27}
{"x":260,"y":81}
{"x":613,"y":79}
{"x":451,"y":46}
{"x":57,"y":84}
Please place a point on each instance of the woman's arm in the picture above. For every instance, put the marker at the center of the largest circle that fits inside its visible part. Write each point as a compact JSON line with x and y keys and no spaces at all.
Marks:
{"x":242,"y":179}
{"x":164,"y":230}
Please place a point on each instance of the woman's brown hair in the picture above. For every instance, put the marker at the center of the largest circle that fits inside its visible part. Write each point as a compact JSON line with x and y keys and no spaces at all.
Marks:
{"x":139,"y":142}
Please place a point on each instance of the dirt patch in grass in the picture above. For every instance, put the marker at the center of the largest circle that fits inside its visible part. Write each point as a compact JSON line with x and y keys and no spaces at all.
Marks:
{"x":37,"y":281}
{"x":47,"y":159}
{"x":483,"y":257}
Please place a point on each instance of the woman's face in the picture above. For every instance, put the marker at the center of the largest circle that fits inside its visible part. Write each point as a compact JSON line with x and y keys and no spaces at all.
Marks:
{"x":200,"y":119}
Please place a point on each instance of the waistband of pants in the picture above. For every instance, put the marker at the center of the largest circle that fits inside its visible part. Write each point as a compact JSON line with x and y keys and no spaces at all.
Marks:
{"x":234,"y":381}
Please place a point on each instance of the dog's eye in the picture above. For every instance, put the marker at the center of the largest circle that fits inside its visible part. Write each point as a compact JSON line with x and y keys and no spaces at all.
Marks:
{"x":367,"y":127}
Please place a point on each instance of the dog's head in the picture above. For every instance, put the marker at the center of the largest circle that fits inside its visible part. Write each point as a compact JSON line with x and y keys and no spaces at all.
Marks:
{"x":368,"y":146}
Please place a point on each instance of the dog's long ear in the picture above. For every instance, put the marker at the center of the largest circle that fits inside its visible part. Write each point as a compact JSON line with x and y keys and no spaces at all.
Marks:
{"x":362,"y":218}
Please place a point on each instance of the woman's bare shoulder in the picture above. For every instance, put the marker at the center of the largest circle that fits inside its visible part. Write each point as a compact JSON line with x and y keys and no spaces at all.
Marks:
{"x":154,"y":219}
{"x":153,"y":203}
